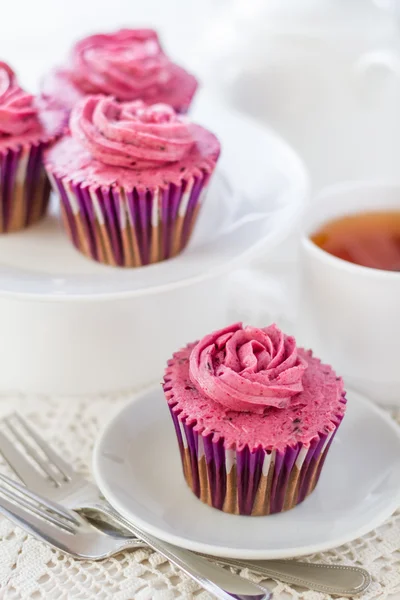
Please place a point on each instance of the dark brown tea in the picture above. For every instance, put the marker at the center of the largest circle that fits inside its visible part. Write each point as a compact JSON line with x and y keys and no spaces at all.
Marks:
{"x":370,"y":239}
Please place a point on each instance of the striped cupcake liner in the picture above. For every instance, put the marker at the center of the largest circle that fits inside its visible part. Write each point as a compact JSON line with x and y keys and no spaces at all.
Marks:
{"x":25,"y":188}
{"x":130,"y":228}
{"x":248,"y":482}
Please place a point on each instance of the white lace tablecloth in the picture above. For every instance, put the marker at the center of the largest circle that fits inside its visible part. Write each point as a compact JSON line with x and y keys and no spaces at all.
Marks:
{"x":29,"y":569}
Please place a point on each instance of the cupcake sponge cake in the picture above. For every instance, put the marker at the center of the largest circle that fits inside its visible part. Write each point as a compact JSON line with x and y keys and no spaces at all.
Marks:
{"x":132,"y":179}
{"x":27,"y":127}
{"x":254,"y":417}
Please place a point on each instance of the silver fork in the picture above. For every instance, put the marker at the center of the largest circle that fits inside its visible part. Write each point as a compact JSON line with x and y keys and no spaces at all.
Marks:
{"x":87,"y":542}
{"x":46,"y":473}
{"x":83,"y":540}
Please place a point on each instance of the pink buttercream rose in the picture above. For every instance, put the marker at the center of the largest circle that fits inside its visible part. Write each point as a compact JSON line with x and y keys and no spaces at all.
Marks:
{"x":125,"y":64}
{"x":248,"y":369}
{"x":130,"y":134}
{"x":18,"y":114}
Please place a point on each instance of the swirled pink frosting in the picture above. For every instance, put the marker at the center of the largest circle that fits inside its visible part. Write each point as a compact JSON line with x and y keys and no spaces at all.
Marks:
{"x":130,"y":134}
{"x":18,"y":114}
{"x":248,"y":369}
{"x":124,"y":64}
{"x":128,"y":64}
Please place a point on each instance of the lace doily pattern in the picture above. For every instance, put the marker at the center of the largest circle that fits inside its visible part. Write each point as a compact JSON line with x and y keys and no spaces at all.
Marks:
{"x":31,"y":570}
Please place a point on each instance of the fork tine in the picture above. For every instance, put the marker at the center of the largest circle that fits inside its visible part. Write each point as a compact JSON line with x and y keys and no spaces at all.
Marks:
{"x":58,"y":509}
{"x":18,"y":462}
{"x":53,"y":457}
{"x":23,"y":508}
{"x":30,"y":450}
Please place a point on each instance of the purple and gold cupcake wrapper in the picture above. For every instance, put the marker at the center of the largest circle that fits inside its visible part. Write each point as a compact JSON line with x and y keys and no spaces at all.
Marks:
{"x":24,"y":187}
{"x":130,"y":228}
{"x":249,"y":482}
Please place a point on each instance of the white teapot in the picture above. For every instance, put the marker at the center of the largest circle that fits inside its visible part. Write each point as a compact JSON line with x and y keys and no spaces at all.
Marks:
{"x":324,"y":73}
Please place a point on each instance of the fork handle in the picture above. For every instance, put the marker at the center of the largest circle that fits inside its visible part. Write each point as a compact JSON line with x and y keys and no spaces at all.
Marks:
{"x":223,"y":584}
{"x":336,"y":580}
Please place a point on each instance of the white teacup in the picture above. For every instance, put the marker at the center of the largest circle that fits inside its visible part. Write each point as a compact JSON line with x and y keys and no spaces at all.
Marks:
{"x":349,"y":314}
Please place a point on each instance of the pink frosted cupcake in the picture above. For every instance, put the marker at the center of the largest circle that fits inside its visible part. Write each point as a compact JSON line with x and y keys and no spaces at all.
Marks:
{"x":131,"y":179}
{"x":26,"y":128}
{"x":254,"y":416}
{"x":128,"y":64}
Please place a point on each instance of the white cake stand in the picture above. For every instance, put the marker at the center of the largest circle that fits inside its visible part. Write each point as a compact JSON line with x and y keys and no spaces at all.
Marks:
{"x":71,"y":326}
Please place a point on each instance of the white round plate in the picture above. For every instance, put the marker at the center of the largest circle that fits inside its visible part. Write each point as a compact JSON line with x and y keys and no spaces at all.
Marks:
{"x":137,"y":467}
{"x":255,"y":199}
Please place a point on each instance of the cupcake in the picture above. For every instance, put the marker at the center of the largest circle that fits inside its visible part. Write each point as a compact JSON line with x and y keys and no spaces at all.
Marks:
{"x":131,"y":178}
{"x":26,"y":128}
{"x":254,"y":416}
{"x":128,"y":64}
